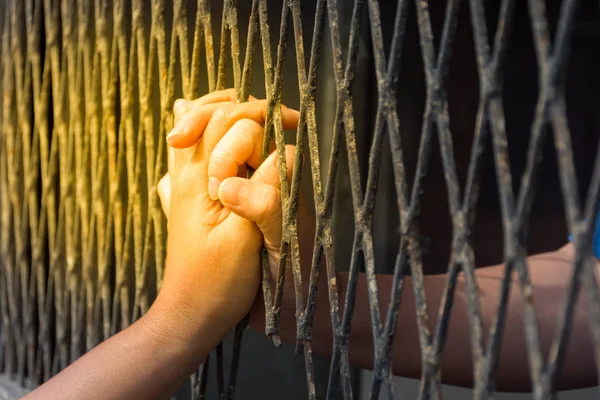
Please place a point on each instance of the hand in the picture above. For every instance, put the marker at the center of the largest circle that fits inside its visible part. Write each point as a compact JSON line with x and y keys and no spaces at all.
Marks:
{"x":212,"y":142}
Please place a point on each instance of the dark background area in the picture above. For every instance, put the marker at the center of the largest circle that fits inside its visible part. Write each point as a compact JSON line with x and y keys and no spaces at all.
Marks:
{"x":547,"y":223}
{"x":267,"y":372}
{"x":276,"y":373}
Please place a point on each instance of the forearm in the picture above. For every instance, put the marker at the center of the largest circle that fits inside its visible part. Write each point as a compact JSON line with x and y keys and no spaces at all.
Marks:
{"x":549,"y":273}
{"x":143,"y":361}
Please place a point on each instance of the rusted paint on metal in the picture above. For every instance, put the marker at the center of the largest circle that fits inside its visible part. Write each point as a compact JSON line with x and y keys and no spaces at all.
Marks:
{"x":81,"y":151}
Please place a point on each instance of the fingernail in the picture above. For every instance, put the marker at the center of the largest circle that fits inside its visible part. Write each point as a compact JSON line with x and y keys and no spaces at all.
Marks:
{"x":175,"y":134}
{"x":180,"y":106}
{"x":179,"y":130}
{"x":229,"y":192}
{"x":213,"y":188}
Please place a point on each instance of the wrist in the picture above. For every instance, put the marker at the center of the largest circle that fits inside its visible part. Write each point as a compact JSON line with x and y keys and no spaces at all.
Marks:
{"x":195,"y":331}
{"x":203,"y":299}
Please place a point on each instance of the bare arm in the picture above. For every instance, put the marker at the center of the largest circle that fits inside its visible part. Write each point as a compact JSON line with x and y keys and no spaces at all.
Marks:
{"x":145,"y":361}
{"x":211,"y":277}
{"x":550,"y":274}
{"x":258,"y":200}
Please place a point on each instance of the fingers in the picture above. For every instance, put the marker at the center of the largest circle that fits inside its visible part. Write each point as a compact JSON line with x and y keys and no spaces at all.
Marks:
{"x":259,"y":199}
{"x":256,"y":202}
{"x":268,"y":172}
{"x":164,"y":193}
{"x":222,"y":120}
{"x":191,"y":126}
{"x":182,"y":146}
{"x":211,"y":117}
{"x":229,"y":95}
{"x":191,"y":122}
{"x":241,"y":145}
{"x":181,"y":106}
{"x":257,"y":110}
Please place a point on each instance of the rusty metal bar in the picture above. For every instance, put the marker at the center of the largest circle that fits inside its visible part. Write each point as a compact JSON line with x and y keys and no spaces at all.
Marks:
{"x":88,"y":88}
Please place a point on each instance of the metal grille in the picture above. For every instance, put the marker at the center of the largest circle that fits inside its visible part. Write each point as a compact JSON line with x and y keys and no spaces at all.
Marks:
{"x":88,"y":88}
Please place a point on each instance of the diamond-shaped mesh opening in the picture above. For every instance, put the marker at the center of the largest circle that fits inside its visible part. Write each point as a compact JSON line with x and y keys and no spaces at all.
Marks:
{"x":467,"y":135}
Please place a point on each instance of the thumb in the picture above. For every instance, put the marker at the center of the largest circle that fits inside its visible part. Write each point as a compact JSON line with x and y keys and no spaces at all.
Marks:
{"x":257,"y":202}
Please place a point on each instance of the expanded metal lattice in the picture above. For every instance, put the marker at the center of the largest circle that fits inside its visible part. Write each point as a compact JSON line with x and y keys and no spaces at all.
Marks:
{"x":88,"y":89}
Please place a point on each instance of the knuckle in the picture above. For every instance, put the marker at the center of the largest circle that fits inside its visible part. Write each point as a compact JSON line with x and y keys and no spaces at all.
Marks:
{"x":222,"y":114}
{"x":231,"y":93}
{"x":271,"y":204}
{"x":179,"y":106}
{"x":247,"y":131}
{"x":246,"y":125}
{"x":219,"y":159}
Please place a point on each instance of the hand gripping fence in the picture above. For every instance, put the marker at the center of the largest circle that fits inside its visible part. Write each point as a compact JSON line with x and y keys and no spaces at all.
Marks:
{"x":87,"y":95}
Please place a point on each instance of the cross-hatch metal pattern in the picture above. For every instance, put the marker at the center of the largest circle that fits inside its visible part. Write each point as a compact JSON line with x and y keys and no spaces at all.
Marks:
{"x":82,"y":149}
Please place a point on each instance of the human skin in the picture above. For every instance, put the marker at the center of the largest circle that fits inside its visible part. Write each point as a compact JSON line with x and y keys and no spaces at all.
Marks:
{"x":550,"y":274}
{"x":216,"y":229}
{"x":211,"y":280}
